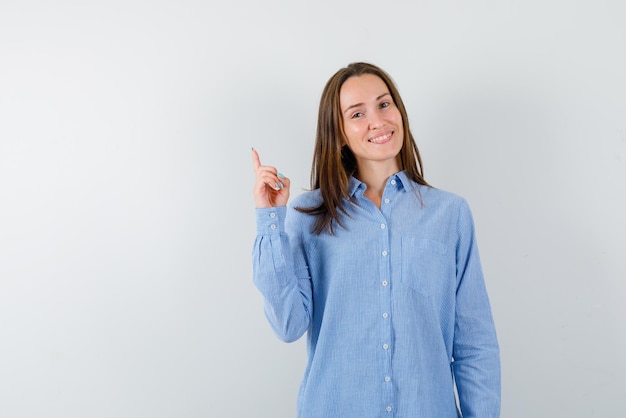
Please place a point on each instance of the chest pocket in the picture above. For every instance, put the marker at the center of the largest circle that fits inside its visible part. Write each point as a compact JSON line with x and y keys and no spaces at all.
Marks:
{"x":426,"y":265}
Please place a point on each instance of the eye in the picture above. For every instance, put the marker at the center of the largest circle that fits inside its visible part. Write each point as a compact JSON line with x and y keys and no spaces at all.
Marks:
{"x":356,"y":115}
{"x":385,"y":104}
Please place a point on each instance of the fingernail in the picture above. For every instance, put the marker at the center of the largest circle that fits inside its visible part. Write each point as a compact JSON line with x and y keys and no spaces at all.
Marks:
{"x":282,"y":186}
{"x":276,"y":186}
{"x":281,"y":175}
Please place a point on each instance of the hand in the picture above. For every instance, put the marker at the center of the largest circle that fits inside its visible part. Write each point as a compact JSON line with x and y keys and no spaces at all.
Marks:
{"x":271,"y":188}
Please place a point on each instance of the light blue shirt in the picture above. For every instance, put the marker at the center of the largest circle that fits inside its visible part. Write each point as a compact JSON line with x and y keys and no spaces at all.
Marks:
{"x":394,"y":306}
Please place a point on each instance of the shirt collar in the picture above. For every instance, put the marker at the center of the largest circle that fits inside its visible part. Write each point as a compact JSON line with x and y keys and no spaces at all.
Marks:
{"x":404,"y":183}
{"x":401,"y":179}
{"x":354,"y":185}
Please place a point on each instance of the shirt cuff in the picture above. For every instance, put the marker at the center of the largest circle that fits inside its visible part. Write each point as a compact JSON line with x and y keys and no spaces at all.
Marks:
{"x":270,"y":220}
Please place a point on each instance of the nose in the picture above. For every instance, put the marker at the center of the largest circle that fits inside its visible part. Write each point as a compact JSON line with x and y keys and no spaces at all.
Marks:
{"x":375,"y":120}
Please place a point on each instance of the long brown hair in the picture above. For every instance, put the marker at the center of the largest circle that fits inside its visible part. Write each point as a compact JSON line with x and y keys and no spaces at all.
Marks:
{"x":334,"y":163}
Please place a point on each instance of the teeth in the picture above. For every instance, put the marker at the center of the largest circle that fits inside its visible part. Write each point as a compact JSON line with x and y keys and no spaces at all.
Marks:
{"x":380,"y":139}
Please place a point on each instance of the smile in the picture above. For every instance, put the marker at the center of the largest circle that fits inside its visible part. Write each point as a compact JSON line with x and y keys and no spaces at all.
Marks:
{"x":381,"y":139}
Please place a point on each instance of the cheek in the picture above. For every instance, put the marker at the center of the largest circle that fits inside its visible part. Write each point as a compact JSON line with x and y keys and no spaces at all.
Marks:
{"x":398,"y":119}
{"x":351,"y":132}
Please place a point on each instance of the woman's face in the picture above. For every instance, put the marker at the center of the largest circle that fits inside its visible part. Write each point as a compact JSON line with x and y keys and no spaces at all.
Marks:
{"x":372,"y":123}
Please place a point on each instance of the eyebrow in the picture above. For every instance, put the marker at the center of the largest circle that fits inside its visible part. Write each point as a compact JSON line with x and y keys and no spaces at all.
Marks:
{"x":361,"y":104}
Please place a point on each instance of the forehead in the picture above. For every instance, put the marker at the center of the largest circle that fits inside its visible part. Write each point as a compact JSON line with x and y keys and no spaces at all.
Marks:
{"x":361,"y":89}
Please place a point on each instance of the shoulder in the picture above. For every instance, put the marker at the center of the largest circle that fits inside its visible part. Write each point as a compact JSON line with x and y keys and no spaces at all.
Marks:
{"x":446,"y":205}
{"x":306,"y":199}
{"x":300,"y":221}
{"x":435,"y":197}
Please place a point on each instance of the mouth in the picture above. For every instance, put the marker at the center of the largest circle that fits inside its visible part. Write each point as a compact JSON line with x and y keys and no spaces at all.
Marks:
{"x":381,"y":139}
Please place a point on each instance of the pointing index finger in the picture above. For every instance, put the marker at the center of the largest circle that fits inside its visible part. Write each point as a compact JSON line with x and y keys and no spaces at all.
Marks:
{"x":255,"y":159}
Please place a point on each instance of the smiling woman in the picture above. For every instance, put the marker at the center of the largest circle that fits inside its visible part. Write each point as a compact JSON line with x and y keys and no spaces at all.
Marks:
{"x":334,"y":161}
{"x":380,"y":269}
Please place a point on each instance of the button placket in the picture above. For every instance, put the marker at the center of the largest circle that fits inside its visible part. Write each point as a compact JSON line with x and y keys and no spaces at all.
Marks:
{"x":385,"y":306}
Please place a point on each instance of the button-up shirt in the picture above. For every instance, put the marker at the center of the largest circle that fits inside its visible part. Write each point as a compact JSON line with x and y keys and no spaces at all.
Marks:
{"x":394,"y":304}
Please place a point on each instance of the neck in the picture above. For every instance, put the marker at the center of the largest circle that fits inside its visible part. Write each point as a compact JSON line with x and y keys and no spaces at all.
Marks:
{"x":375,"y":177}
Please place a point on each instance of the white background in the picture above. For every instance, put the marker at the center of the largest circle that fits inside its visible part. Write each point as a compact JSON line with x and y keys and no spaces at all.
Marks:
{"x":126,"y":215}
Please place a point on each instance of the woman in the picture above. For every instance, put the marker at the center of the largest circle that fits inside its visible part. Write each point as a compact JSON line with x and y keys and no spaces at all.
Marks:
{"x":380,"y":269}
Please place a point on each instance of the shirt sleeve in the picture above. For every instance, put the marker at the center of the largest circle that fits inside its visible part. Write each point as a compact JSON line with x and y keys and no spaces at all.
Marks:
{"x":281,"y":274}
{"x":476,"y":355}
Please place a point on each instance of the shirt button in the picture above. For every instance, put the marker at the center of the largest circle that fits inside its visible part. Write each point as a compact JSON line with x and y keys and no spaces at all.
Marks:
{"x":387,"y":379}
{"x":385,"y":283}
{"x":388,"y":409}
{"x":384,"y":253}
{"x":385,"y":315}
{"x":385,"y":346}
{"x":273,"y":226}
{"x":382,"y":226}
{"x":273,"y":215}
{"x":387,"y":200}
{"x":393,"y":182}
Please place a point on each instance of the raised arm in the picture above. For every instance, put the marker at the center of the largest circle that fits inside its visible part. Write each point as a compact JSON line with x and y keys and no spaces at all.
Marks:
{"x":279,"y":265}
